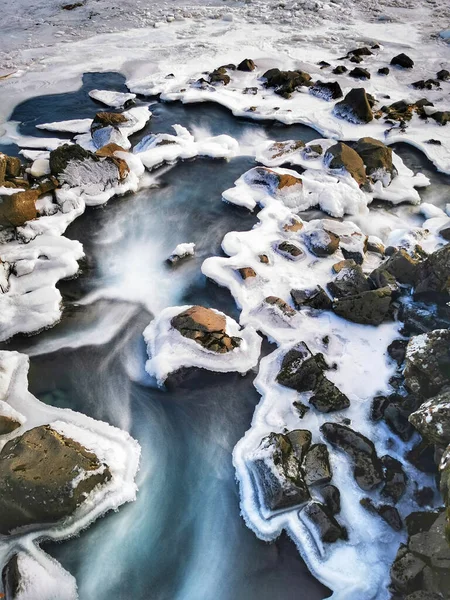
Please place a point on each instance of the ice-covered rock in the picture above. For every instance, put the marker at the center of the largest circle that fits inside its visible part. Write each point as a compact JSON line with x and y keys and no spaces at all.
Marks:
{"x":112,"y":99}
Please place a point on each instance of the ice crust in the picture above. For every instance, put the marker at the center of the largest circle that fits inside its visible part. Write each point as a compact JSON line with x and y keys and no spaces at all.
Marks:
{"x":43,"y":575}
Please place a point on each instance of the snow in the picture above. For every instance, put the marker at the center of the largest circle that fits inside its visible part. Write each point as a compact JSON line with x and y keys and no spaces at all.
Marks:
{"x":70,"y":126}
{"x":44,"y":577}
{"x":112,"y":99}
{"x":169,"y":351}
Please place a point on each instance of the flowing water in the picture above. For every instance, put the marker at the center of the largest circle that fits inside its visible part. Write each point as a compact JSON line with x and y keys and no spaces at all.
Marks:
{"x":183,"y":539}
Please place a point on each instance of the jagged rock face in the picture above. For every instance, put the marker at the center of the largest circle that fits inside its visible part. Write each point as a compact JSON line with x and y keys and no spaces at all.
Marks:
{"x":366,"y":308}
{"x":355,"y":107}
{"x":328,"y":90}
{"x":427,"y":363}
{"x":368,"y":470}
{"x":432,"y":419}
{"x":207,"y":328}
{"x":45,"y":477}
{"x":16,"y":209}
{"x":434,"y":274}
{"x":322,"y":242}
{"x":377,"y":158}
{"x":279,"y":474}
{"x":342,"y":157}
{"x":301,"y":370}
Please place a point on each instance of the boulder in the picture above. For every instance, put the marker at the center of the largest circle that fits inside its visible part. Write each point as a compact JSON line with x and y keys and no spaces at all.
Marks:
{"x":328,"y":90}
{"x":300,"y":369}
{"x":40,"y":478}
{"x":329,"y":529}
{"x":340,"y":69}
{"x":286,"y":82}
{"x":377,"y":158}
{"x":301,"y":441}
{"x":347,"y":263}
{"x":363,"y":51}
{"x":341,"y":157}
{"x":359,"y":73}
{"x":321,"y":242}
{"x":246,"y":65}
{"x":432,"y":419}
{"x":434,"y":275}
{"x":402,"y":266}
{"x":108,"y":119}
{"x":278,"y":473}
{"x":366,"y":308}
{"x":427,"y":362}
{"x":402,"y":60}
{"x":206,"y":327}
{"x":316,"y":465}
{"x":63,"y":155}
{"x":383,"y":71}
{"x":219,"y":76}
{"x":16,"y":209}
{"x":315,"y":298}
{"x":406,"y":571}
{"x":388,"y":513}
{"x":443,"y":75}
{"x":422,"y":317}
{"x":367,"y":467}
{"x":395,"y":479}
{"x":327,"y":397}
{"x":331,"y":497}
{"x":441,"y":116}
{"x":397,"y":350}
{"x":355,"y":107}
{"x":348,"y":282}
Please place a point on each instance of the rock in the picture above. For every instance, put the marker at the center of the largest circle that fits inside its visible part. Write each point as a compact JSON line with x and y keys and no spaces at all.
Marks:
{"x":406,"y":571}
{"x":246,"y":65}
{"x":323,"y":64}
{"x":340,"y":69}
{"x":278,"y":473}
{"x":63,"y":155}
{"x":349,"y":281}
{"x":206,"y":327}
{"x":402,"y":266}
{"x":285,"y":180}
{"x":294,"y":224}
{"x":423,"y":84}
{"x":16,"y":209}
{"x":108,"y":119}
{"x":281,"y":305}
{"x":397,"y":350}
{"x":433,"y":275}
{"x":355,"y":107}
{"x":422,"y":595}
{"x":300,"y":369}
{"x":419,"y":521}
{"x":424,"y":496}
{"x":109,"y":149}
{"x":395,"y":479}
{"x":104,"y":136}
{"x":263,"y":258}
{"x":13,"y":167}
{"x":444,"y":469}
{"x":321,"y":242}
{"x":441,"y":116}
{"x":8,"y":424}
{"x":377,"y":158}
{"x":396,"y":417}
{"x":359,"y":73}
{"x":427,"y":363}
{"x":388,"y":513}
{"x":366,"y":308}
{"x":312,"y":151}
{"x":301,"y":441}
{"x":432,"y":419}
{"x":368,"y":471}
{"x":316,"y":465}
{"x":432,"y":546}
{"x":290,"y":250}
{"x":328,"y":90}
{"x":402,"y":60}
{"x":354,"y":246}
{"x":379,"y":405}
{"x":332,"y":498}
{"x":363,"y":51}
{"x":422,"y":457}
{"x":315,"y":298}
{"x":329,"y":529}
{"x":11,"y":578}
{"x":327,"y":397}
{"x":220,"y":75}
{"x":443,"y":75}
{"x":301,"y":408}
{"x":279,"y":149}
{"x":341,"y":157}
{"x":422,"y":317}
{"x":39,"y":478}
{"x":383,"y":71}
{"x":247,"y":272}
{"x":286,"y":82}
{"x":343,"y":264}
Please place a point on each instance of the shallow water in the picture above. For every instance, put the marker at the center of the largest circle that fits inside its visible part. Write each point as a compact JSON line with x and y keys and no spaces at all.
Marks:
{"x":183,"y":538}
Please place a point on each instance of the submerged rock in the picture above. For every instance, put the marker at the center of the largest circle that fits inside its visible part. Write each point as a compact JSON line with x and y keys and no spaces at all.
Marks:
{"x":368,"y":471}
{"x":207,"y":328}
{"x":355,"y":107}
{"x":366,"y":308}
{"x":45,"y":477}
{"x":341,"y":157}
{"x":329,"y":529}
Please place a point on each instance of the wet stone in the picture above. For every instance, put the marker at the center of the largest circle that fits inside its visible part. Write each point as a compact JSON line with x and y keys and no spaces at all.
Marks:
{"x":388,"y":513}
{"x":332,"y":498}
{"x":316,"y":465}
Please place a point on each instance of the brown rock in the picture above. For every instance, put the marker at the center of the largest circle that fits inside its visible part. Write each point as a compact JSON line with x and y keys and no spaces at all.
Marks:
{"x":206,"y":327}
{"x":18,"y":208}
{"x":281,"y":304}
{"x":8,"y":424}
{"x":340,"y":156}
{"x":105,"y":119}
{"x":285,"y":180}
{"x":109,"y":149}
{"x":293,"y":225}
{"x":247,"y":272}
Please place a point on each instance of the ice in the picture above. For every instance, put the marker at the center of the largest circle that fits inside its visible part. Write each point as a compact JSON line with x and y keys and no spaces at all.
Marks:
{"x":112,"y":99}
{"x":169,"y":351}
{"x":71,"y":126}
{"x":40,"y":167}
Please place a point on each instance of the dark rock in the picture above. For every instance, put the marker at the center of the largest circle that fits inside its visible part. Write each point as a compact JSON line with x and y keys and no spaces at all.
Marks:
{"x":323,"y":64}
{"x":433,"y":276}
{"x":219,"y":76}
{"x":300,"y":441}
{"x":422,"y":457}
{"x":427,"y":363}
{"x":377,"y":158}
{"x":286,"y":82}
{"x":316,"y":465}
{"x":441,"y":117}
{"x":395,"y":479}
{"x":246,"y":65}
{"x":434,"y":142}
{"x":280,"y":304}
{"x":388,"y":513}
{"x":397,"y":350}
{"x":424,"y":496}
{"x":11,"y":578}
{"x":315,"y":298}
{"x":383,"y":71}
{"x":417,"y":522}
{"x":321,"y":242}
{"x":342,"y":157}
{"x":402,"y":60}
{"x":445,"y":232}
{"x":343,"y":264}
{"x":206,"y":327}
{"x":396,"y":416}
{"x":402,"y":266}
{"x":290,"y":250}
{"x":329,"y":529}
{"x":278,"y":473}
{"x":60,"y":158}
{"x":406,"y":571}
{"x":366,"y":308}
{"x":355,"y":107}
{"x":301,"y":408}
{"x":422,"y":595}
{"x":443,"y":75}
{"x":300,"y":369}
{"x":354,"y":246}
{"x":432,"y":419}
{"x":340,"y":69}
{"x":349,"y":281}
{"x":359,"y":73}
{"x":16,"y":209}
{"x":328,"y":90}
{"x":379,"y":405}
{"x":327,"y":397}
{"x":432,"y":546}
{"x":332,"y":498}
{"x":8,"y":425}
{"x":363,"y":51}
{"x":313,"y":151}
{"x":368,"y":471}
{"x":38,"y":478}
{"x":421,"y":317}
{"x":423,"y":84}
